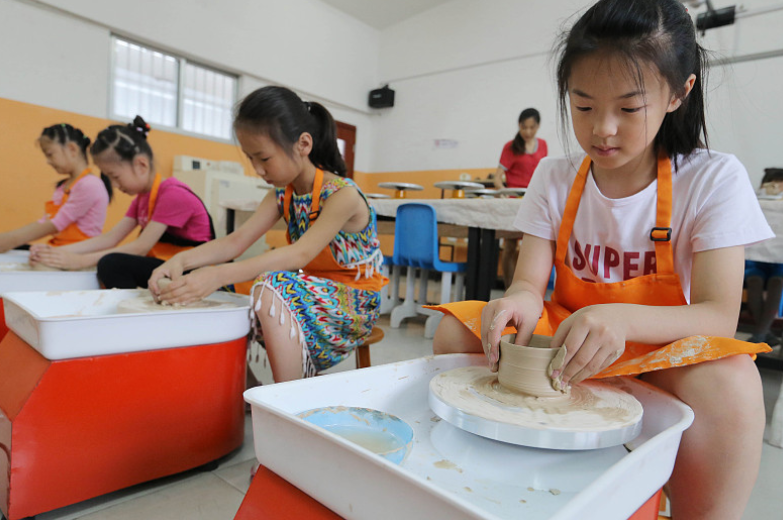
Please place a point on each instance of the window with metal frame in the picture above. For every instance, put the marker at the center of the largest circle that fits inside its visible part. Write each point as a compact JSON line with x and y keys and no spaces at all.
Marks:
{"x":170,"y":91}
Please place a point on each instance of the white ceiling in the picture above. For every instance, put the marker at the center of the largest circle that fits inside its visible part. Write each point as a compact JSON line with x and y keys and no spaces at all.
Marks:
{"x":383,"y":13}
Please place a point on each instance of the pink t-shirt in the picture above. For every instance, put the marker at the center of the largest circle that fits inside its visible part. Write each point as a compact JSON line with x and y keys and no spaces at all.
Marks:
{"x":86,"y":206}
{"x":177,"y":207}
{"x":519,"y":168}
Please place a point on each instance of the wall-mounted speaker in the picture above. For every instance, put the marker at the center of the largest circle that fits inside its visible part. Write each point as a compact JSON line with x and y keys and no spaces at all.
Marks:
{"x":381,"y":97}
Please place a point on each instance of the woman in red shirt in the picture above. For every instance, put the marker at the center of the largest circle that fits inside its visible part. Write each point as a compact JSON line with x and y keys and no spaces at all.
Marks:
{"x":521,"y":156}
{"x":517,"y":164}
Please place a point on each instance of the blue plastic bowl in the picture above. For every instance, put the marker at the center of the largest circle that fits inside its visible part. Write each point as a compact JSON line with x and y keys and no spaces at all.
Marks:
{"x":379,"y":432}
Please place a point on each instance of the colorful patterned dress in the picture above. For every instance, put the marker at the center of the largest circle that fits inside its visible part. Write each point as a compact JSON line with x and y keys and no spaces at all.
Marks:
{"x":333,"y":306}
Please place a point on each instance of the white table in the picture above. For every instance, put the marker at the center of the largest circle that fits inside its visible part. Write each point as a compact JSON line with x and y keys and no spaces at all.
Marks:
{"x":486,"y":220}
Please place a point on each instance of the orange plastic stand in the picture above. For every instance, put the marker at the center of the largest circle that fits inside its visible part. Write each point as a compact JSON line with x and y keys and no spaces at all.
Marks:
{"x":648,"y":511}
{"x":75,"y":429}
{"x":270,"y":497}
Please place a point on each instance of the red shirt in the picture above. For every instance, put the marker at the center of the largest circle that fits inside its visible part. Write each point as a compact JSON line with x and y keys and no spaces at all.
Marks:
{"x":519,"y":168}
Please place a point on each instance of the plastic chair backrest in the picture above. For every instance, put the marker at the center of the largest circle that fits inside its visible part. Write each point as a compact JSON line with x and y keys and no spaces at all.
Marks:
{"x":415,"y":236}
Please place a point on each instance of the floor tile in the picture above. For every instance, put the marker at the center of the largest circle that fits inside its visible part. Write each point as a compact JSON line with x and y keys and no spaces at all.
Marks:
{"x":238,"y":475}
{"x":204,"y":497}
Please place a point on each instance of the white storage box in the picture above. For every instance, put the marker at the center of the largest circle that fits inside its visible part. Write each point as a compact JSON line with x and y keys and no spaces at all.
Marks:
{"x":71,"y":324}
{"x":42,"y":280}
{"x":452,"y":474}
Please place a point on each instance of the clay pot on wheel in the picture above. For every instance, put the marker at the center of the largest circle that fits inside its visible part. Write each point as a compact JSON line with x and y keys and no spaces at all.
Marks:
{"x":523,"y":369}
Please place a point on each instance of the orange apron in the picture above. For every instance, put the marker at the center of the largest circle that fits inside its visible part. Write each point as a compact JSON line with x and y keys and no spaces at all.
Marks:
{"x":163,"y":249}
{"x":71,"y":234}
{"x":324,"y":265}
{"x":661,"y":288}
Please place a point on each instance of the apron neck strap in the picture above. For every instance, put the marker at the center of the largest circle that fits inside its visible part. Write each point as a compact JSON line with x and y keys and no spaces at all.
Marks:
{"x":569,"y":215}
{"x":661,"y":234}
{"x":153,"y":196}
{"x":316,"y":197}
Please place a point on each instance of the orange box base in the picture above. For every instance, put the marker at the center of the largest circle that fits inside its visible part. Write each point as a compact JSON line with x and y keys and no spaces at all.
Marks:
{"x":75,"y":429}
{"x":270,"y":497}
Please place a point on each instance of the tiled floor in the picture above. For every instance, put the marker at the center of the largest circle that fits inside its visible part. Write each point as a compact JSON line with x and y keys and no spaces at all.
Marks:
{"x":216,"y":495}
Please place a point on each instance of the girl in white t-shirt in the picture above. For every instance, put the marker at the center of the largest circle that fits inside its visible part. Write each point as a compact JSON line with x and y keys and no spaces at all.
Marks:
{"x":646,"y":231}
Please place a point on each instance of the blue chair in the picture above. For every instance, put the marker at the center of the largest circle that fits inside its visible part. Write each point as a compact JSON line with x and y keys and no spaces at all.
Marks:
{"x":416,"y":247}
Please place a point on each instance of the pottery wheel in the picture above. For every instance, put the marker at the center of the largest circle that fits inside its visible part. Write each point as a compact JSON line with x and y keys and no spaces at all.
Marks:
{"x":147,"y":304}
{"x":596,"y":414}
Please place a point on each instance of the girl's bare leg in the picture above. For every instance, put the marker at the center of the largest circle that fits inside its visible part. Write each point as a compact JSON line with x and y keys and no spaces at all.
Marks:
{"x":452,"y":337}
{"x":719,"y":456}
{"x":284,"y":352}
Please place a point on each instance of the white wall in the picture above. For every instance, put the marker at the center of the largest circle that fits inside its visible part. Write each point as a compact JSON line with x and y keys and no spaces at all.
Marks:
{"x":464,"y":70}
{"x":745,"y":105}
{"x":50,"y":60}
{"x":56,"y":54}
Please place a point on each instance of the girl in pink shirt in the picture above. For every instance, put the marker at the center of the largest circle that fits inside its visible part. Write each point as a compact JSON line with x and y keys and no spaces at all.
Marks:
{"x":77,"y":209}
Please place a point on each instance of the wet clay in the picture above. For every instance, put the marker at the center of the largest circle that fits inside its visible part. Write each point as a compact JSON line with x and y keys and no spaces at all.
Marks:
{"x":528,"y":369}
{"x":148,"y":304}
{"x":591,"y":405}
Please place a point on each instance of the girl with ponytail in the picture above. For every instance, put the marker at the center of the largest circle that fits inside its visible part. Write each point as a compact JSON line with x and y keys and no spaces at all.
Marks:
{"x":316,"y":299}
{"x":77,"y":210}
{"x":646,"y":229}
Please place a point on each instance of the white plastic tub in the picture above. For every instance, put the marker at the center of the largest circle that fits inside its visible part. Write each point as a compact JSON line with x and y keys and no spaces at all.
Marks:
{"x":11,"y":281}
{"x":71,"y":324}
{"x":450,"y":473}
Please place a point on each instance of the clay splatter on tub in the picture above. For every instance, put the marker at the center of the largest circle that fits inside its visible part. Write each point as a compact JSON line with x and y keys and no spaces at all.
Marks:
{"x":446,"y":464}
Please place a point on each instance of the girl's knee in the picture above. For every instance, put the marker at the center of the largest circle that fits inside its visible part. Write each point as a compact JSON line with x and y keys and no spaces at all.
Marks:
{"x":728,"y":390}
{"x":452,"y":336}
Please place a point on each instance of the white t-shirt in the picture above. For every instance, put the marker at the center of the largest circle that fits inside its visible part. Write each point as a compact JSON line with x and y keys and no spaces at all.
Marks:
{"x":714,"y":206}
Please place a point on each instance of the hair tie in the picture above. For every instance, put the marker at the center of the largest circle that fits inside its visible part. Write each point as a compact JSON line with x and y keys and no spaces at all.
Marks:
{"x":142,"y":129}
{"x":307,"y":105}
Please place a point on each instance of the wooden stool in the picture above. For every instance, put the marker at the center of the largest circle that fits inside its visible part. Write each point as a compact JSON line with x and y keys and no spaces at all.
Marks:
{"x":363,"y":350}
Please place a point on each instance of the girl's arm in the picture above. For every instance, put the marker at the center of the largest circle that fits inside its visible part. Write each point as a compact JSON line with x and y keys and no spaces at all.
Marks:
{"x":25,"y":234}
{"x":345,"y":207}
{"x":522,"y":304}
{"x":222,"y":249}
{"x":595,"y":336}
{"x":88,"y":252}
{"x":498,"y":178}
{"x":105,"y":241}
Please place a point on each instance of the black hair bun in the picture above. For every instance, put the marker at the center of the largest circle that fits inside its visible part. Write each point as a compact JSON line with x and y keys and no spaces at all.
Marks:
{"x":141,"y":126}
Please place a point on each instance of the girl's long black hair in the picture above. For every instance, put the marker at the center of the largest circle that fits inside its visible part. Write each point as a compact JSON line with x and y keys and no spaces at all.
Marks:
{"x":655,"y":32}
{"x":518,"y":145}
{"x":281,"y":115}
{"x":63,"y":133}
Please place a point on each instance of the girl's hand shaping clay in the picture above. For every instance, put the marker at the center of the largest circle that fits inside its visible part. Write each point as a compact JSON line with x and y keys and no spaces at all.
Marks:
{"x":520,"y":310}
{"x":594,"y":337}
{"x":172,"y":270}
{"x":59,"y":259}
{"x":192,"y":287}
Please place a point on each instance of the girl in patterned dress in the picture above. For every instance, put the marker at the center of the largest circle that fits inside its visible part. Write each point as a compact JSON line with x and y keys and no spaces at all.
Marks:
{"x":316,"y":299}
